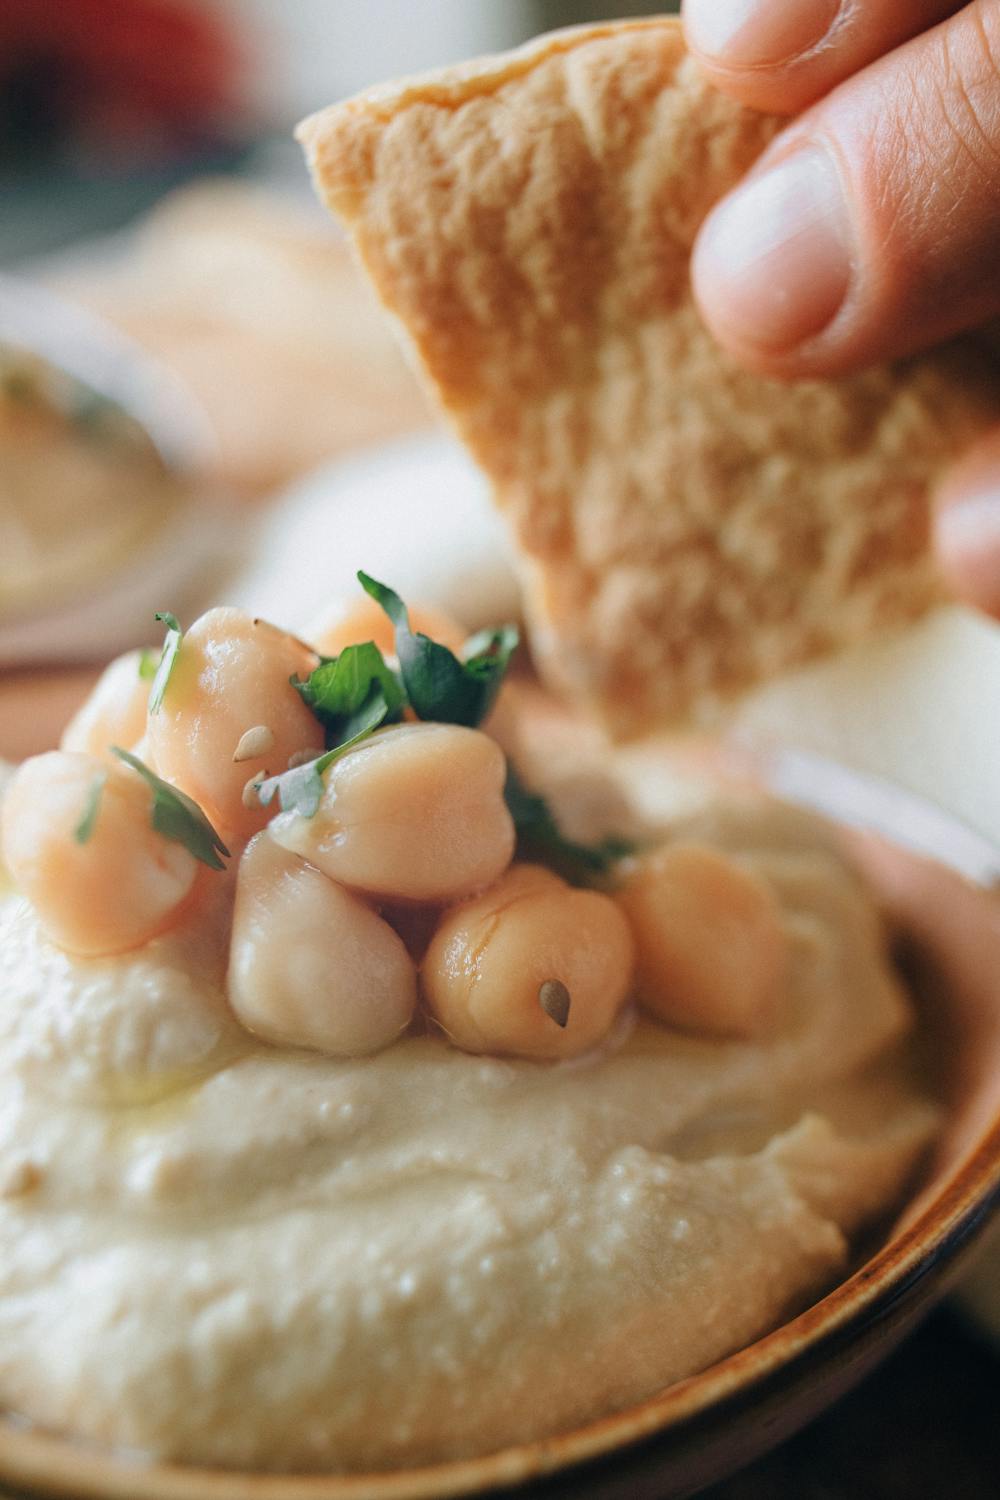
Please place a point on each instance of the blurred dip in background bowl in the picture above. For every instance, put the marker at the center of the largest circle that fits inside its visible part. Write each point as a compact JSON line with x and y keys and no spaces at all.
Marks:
{"x":104,"y":514}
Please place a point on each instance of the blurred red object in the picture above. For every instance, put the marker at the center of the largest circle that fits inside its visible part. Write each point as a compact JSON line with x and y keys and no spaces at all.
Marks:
{"x":130,"y":77}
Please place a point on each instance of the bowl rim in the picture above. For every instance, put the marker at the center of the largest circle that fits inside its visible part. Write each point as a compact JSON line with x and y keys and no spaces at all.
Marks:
{"x":99,"y":617}
{"x":949,"y":1222}
{"x":95,"y":352}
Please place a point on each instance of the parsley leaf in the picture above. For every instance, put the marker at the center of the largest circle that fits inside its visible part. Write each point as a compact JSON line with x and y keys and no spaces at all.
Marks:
{"x":177,"y":816}
{"x":539,"y":838}
{"x":353,"y":694}
{"x":486,"y":656}
{"x":437,"y":684}
{"x":301,"y":789}
{"x":168,"y":658}
{"x":339,"y":689}
{"x":92,"y":807}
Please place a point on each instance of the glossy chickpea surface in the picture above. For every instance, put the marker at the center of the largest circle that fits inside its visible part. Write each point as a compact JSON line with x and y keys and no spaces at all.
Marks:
{"x":311,"y":964}
{"x":231,"y":675}
{"x":486,"y":970}
{"x":114,"y":713}
{"x":710,"y":941}
{"x":416,"y":813}
{"x":121,"y":887}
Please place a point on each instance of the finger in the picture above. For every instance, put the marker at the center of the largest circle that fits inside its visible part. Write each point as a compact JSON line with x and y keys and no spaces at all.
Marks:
{"x":780,"y":55}
{"x":967,"y":526}
{"x":871,"y":227}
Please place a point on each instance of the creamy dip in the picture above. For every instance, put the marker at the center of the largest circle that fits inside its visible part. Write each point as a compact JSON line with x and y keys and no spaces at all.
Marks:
{"x":67,"y":452}
{"x":217,"y":1251}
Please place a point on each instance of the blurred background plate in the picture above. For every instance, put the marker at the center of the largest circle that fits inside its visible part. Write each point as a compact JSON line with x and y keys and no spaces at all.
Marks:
{"x":103,"y":504}
{"x":415,"y":512}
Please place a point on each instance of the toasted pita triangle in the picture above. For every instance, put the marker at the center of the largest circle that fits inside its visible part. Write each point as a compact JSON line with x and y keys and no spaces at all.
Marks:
{"x":687,"y":529}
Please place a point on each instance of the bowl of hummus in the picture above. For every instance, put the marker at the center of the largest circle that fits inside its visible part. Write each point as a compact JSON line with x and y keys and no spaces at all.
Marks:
{"x":403,"y":1093}
{"x":350,"y":1106}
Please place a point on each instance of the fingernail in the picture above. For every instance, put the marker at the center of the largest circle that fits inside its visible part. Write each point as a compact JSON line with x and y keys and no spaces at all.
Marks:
{"x":753,"y":33}
{"x":967,"y":535}
{"x":773,"y":261}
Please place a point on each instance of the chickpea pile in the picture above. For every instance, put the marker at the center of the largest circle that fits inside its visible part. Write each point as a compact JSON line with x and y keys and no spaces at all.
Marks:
{"x":411,"y":834}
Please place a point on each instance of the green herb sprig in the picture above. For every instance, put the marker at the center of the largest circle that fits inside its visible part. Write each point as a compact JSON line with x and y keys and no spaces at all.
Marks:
{"x":301,"y":789}
{"x":85,"y":828}
{"x":168,"y":659}
{"x":539,"y":838}
{"x":148,"y":663}
{"x":177,"y":817}
{"x":438,"y":685}
{"x":357,"y":692}
{"x":341,"y":691}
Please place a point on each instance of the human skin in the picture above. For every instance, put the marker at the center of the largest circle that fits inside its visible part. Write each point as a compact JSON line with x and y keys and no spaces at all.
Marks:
{"x":870,"y":228}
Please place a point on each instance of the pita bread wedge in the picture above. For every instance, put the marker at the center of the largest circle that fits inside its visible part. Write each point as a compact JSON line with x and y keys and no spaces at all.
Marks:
{"x":687,"y":529}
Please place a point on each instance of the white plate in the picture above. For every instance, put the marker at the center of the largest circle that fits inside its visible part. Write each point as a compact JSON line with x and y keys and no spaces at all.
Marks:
{"x":415,"y":513}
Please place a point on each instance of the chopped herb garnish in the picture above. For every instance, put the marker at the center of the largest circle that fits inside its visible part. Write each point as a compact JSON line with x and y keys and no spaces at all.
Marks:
{"x":148,"y":662}
{"x":493,"y":643}
{"x":178,"y":817}
{"x":357,"y":692}
{"x":539,"y":837}
{"x":301,"y":789}
{"x":340,"y":688}
{"x":439,"y":686}
{"x":168,"y":659}
{"x":91,"y":808}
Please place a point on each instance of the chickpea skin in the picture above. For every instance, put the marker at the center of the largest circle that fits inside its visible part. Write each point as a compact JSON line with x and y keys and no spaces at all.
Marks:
{"x":415,"y":813}
{"x":311,"y":965}
{"x":364,"y":620}
{"x":711,"y":945}
{"x":114,"y":713}
{"x":121,"y":887}
{"x":231,"y":674}
{"x":531,"y":968}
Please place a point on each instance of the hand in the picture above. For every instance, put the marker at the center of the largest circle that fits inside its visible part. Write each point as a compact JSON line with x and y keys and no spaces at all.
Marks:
{"x":871,"y":227}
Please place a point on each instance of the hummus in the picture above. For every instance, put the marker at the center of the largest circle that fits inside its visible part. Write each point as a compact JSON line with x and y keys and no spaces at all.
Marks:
{"x":217,"y":1251}
{"x":65,"y":452}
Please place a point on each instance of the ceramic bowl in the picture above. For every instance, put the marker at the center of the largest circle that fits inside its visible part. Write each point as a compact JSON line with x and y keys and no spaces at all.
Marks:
{"x":708,"y":1426}
{"x":192,"y":538}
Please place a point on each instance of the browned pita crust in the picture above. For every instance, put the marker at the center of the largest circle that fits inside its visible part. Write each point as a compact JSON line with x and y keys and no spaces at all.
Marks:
{"x":688,"y":529}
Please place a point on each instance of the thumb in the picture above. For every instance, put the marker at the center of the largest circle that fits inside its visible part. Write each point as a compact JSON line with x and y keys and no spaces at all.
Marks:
{"x":871,"y":227}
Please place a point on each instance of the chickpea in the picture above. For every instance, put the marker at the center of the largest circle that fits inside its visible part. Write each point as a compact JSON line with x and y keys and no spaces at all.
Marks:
{"x":416,"y":813}
{"x":123,"y":886}
{"x":532,"y":967}
{"x":711,"y":945}
{"x":114,"y":713}
{"x":310,"y":964}
{"x":231,"y":675}
{"x":364,"y":620}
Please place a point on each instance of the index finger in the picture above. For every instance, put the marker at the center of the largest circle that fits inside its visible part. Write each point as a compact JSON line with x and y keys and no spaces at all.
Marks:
{"x":781,"y":55}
